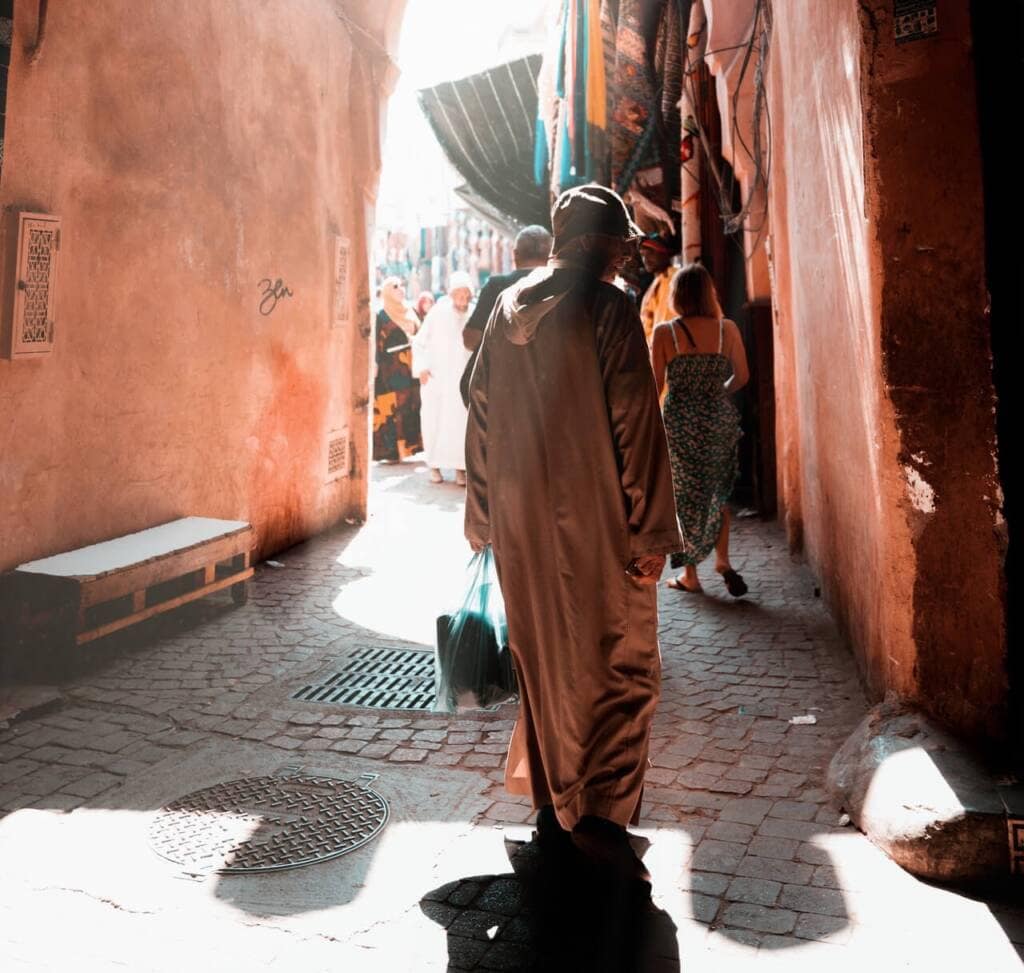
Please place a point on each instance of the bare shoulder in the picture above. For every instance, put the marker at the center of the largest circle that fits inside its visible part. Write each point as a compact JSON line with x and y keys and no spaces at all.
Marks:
{"x":732,"y":330}
{"x":662,"y":332}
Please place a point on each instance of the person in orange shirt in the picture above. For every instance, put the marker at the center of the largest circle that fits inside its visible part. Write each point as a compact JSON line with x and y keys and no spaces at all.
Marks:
{"x":657,"y":252}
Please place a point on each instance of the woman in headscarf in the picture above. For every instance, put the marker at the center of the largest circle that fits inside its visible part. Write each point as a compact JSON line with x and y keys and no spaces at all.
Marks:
{"x":396,"y":394}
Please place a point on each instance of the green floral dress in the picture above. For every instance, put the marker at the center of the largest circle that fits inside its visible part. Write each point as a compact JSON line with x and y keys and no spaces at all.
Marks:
{"x":703,"y":428}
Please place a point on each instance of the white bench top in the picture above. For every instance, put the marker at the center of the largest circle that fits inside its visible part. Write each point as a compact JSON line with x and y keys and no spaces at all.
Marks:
{"x":123,"y":552}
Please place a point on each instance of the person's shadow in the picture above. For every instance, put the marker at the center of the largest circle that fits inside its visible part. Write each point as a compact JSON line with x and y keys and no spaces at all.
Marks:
{"x":551,"y":914}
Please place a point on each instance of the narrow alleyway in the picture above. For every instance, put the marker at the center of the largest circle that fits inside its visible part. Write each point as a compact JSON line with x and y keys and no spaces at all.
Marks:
{"x":751,"y":866}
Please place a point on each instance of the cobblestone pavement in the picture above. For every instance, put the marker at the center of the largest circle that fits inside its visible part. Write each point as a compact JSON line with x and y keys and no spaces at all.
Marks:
{"x":750,"y":864}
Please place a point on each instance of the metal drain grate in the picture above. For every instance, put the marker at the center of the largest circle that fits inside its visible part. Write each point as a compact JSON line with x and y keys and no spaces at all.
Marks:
{"x":379,"y":679}
{"x":263,"y":824}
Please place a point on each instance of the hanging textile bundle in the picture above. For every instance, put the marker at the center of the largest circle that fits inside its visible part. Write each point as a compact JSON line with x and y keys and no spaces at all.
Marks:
{"x":571,"y":125}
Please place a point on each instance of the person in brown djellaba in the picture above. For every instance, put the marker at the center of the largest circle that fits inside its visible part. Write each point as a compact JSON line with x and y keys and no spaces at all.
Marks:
{"x":569,"y":481}
{"x":396,"y":394}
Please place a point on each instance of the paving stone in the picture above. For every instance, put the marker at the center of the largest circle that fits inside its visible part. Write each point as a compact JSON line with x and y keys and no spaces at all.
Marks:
{"x":751,"y":810}
{"x":703,"y":908}
{"x":62,"y":802}
{"x":731,"y":831}
{"x":315,"y":744}
{"x":433,"y":736}
{"x":718,"y":856}
{"x":303,"y":719}
{"x":826,"y":902}
{"x":796,"y":873}
{"x":758,"y":891}
{"x":444,"y":759}
{"x":730,"y":787}
{"x":377,"y":749}
{"x":408,"y":755}
{"x":797,"y":830}
{"x":482,"y":760}
{"x":674,"y":761}
{"x":13,"y":769}
{"x":463,"y":737}
{"x":794,"y":810}
{"x":50,"y":754}
{"x":708,"y":883}
{"x":824,"y":928}
{"x":766,"y":847}
{"x":92,"y":785}
{"x":285,"y":742}
{"x":759,"y":918}
{"x":185,"y":738}
{"x":813,"y":854}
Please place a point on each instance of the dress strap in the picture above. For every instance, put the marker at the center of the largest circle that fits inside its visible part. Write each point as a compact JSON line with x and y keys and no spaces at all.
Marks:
{"x":721,"y":332}
{"x":675,"y":341}
{"x":689,"y":335}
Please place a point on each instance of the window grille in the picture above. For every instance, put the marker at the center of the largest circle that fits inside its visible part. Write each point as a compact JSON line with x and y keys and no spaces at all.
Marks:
{"x":338,"y":462}
{"x":35,"y":285}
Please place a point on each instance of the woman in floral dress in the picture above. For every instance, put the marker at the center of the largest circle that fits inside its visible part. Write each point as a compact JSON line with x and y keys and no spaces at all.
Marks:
{"x":700,"y":355}
{"x":396,"y":394}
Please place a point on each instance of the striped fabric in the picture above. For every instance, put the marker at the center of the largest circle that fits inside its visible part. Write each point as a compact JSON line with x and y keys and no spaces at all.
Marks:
{"x":486,"y":125}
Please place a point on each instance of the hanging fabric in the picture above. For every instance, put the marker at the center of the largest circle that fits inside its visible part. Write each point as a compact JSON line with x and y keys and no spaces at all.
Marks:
{"x":690,"y":150}
{"x":635,"y":99}
{"x":571,"y":145}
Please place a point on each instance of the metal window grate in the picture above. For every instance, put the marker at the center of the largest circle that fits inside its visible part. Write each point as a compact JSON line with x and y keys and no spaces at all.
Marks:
{"x":379,"y":679}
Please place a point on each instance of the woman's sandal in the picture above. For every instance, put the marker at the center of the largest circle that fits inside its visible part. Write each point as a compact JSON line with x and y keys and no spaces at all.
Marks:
{"x":734,"y":583}
{"x":676,"y":585}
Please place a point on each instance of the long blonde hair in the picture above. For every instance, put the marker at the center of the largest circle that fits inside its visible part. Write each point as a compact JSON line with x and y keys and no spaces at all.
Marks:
{"x":693,"y":293}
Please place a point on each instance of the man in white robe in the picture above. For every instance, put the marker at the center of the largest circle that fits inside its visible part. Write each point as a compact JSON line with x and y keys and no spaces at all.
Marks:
{"x":439,"y":358}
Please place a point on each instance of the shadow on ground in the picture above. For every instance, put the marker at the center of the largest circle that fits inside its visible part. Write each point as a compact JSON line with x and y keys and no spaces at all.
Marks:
{"x":549,"y":915}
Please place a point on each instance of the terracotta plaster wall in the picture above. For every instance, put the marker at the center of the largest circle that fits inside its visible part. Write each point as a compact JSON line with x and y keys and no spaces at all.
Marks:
{"x":926,"y":204}
{"x":884,"y":412}
{"x":192,"y":150}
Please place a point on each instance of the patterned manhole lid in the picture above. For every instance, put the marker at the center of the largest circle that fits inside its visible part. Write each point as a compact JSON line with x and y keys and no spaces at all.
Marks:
{"x":262,"y":824}
{"x":377,"y":678}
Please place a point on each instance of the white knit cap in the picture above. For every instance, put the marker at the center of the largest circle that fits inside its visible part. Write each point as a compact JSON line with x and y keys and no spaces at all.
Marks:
{"x":459,"y":278}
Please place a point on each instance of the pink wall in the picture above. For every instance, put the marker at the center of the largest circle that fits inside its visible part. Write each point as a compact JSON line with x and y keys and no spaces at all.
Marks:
{"x":885,"y":455}
{"x":192,"y":150}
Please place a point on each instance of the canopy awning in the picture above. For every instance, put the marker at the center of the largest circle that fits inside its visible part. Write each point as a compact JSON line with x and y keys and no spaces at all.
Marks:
{"x":485,"y":124}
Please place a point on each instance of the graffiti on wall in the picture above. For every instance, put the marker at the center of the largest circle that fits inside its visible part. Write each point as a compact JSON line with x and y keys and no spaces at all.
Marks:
{"x":270,"y":293}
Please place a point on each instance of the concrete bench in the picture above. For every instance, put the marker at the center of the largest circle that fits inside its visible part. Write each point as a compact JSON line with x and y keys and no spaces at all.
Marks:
{"x":62,"y":602}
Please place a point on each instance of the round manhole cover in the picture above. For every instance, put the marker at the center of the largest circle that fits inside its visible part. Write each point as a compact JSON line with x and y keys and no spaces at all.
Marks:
{"x":261,"y":824}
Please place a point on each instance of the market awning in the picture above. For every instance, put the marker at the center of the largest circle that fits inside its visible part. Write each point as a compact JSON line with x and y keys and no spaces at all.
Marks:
{"x":485,"y":124}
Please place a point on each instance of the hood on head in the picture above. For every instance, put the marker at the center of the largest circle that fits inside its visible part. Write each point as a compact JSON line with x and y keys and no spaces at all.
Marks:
{"x":526,"y":305}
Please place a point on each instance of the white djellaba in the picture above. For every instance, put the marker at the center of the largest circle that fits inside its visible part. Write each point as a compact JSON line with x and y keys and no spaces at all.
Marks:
{"x":438,"y":350}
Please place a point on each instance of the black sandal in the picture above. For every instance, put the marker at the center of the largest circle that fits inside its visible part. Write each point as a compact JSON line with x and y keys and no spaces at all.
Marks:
{"x":734,"y":583}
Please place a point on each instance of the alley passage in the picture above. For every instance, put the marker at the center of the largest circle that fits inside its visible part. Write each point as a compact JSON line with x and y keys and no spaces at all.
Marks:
{"x":751,"y":866}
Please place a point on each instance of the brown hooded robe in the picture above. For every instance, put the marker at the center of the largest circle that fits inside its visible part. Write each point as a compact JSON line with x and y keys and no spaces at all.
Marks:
{"x":569,"y":480}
